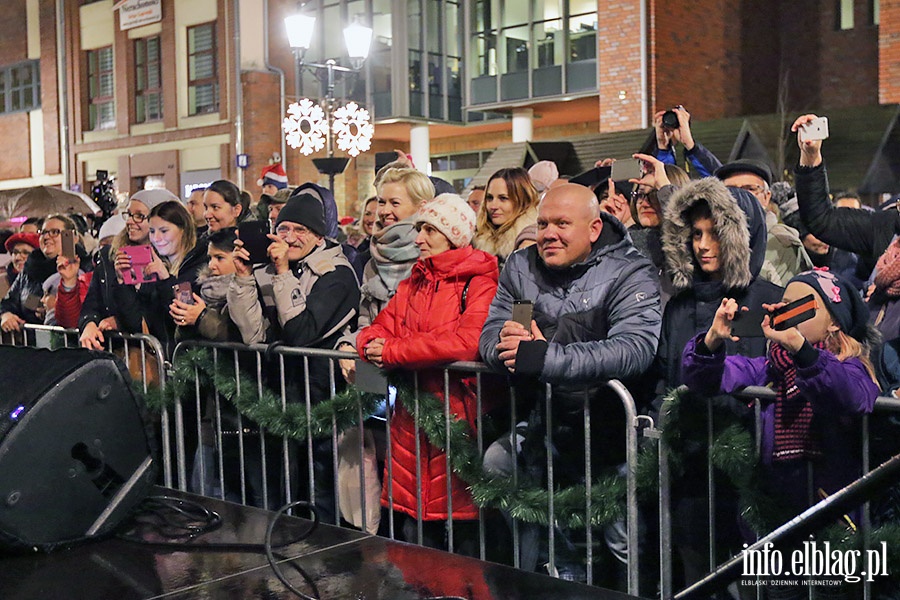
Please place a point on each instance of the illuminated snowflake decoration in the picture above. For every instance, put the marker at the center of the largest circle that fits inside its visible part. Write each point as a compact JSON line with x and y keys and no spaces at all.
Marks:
{"x":305,"y":126}
{"x":353,"y":129}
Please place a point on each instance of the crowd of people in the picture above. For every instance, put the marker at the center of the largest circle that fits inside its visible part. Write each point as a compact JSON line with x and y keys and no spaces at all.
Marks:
{"x":640,"y":280}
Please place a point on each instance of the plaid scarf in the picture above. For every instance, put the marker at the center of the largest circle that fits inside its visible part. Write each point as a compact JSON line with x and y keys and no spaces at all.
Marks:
{"x":794,"y":438}
{"x":394,"y":252}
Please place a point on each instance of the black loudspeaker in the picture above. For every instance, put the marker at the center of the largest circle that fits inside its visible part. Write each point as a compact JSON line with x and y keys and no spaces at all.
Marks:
{"x":76,"y":451}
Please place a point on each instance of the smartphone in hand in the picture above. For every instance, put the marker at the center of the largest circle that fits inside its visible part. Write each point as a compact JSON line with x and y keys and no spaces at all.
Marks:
{"x":748,"y":323}
{"x":625,"y":169}
{"x":523,"y":312}
{"x":794,"y":313}
{"x":141,"y":256}
{"x":254,"y":237}
{"x":183,"y":292}
{"x":817,"y":129}
{"x":67,"y":241}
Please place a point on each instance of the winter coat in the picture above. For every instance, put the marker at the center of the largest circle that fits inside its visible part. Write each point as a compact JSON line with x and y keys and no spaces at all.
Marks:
{"x":784,"y":250}
{"x":69,"y":302}
{"x":701,"y":160}
{"x":504,"y":244}
{"x":100,"y":302}
{"x":434,"y":318}
{"x":741,"y":228}
{"x":840,"y":392}
{"x":857,"y":230}
{"x":600,"y":317}
{"x":29,"y":283}
{"x":150,"y":303}
{"x":307,"y":307}
{"x":601,"y":321}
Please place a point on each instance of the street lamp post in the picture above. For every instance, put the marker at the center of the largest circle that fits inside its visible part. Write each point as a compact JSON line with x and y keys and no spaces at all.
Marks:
{"x":310,"y":126}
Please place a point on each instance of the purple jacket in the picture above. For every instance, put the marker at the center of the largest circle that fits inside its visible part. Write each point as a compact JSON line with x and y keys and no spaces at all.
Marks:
{"x":841,"y":391}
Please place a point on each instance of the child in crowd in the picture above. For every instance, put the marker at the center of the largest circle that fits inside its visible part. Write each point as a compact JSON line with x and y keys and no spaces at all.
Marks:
{"x":822,"y":377}
{"x":208,"y":315}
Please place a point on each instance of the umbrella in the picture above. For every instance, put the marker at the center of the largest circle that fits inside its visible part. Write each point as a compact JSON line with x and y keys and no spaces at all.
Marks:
{"x":41,"y":201}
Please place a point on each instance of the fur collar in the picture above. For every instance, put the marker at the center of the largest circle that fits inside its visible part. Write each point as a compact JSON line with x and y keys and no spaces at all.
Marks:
{"x":739,"y":222}
{"x":503,"y":244}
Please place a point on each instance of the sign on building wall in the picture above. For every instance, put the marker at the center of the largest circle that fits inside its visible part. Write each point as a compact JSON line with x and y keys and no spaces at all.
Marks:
{"x":134,"y":13}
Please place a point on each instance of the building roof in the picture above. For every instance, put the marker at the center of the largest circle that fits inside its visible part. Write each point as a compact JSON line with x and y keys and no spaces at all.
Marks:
{"x":862,"y":152}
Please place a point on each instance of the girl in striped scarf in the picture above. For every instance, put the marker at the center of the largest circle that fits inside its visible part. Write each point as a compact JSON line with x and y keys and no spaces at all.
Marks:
{"x":823,"y":382}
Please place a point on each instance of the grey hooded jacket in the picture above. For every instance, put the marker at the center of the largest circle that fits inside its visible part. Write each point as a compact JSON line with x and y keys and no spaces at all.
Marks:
{"x":601,"y":317}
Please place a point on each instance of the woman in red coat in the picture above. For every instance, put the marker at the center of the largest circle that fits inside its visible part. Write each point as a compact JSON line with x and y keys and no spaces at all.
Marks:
{"x":435,"y":318}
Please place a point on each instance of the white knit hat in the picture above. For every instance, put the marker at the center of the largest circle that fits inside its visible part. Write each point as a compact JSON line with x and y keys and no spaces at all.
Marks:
{"x":152,"y":198}
{"x":452,"y":216}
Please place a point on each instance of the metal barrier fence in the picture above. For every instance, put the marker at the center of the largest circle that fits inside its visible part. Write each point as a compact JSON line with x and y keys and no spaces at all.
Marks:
{"x":142,"y":354}
{"x":267,"y":470}
{"x":250,"y":460}
{"x":757,"y":395}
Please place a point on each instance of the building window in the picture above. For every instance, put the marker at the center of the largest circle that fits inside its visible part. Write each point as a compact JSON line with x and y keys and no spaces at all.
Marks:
{"x":20,"y":87}
{"x":101,"y":95}
{"x":148,"y":80}
{"x":203,"y":84}
{"x":844,"y":14}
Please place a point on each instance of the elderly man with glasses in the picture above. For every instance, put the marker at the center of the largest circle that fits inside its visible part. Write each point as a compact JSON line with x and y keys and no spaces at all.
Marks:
{"x":785,"y":253}
{"x":305,"y":296}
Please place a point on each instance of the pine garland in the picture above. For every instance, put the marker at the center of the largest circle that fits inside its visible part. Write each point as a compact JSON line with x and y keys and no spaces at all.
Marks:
{"x":527,"y":503}
{"x":733,"y":452}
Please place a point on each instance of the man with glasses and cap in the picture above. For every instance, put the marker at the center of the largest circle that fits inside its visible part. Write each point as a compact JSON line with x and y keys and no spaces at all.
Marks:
{"x":305,"y":296}
{"x":784,"y":248}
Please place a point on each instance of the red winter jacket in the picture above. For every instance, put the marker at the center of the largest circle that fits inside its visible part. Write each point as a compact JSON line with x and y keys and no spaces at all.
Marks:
{"x":68,"y":303}
{"x":424,"y":328}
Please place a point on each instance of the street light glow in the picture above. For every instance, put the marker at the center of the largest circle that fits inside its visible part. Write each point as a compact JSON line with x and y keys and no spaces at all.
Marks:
{"x":300,"y":30}
{"x":358,"y":39}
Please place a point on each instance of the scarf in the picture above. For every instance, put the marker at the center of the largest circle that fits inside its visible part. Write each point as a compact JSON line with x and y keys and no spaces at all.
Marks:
{"x":794,"y":437}
{"x":887,"y":270}
{"x":214,"y":288}
{"x":394,"y":252}
{"x":38,"y":268}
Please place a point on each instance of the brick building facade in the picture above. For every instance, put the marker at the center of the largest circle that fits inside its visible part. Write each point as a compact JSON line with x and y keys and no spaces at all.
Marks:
{"x":718,"y":58}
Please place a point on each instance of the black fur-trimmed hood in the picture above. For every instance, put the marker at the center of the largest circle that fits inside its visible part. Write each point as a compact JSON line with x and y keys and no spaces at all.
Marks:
{"x":740,"y":223}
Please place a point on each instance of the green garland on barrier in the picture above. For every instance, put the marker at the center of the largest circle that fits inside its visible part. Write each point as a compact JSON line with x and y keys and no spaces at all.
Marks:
{"x":524,"y":502}
{"x":733,"y":452}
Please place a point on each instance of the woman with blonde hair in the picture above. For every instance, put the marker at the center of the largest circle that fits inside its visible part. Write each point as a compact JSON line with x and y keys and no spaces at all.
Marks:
{"x":507,"y":220}
{"x":177,"y":259}
{"x":99,"y":310}
{"x":393,"y":245}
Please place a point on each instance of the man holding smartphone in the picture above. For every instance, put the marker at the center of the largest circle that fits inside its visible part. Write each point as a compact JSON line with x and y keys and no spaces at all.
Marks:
{"x":596,"y":317}
{"x":306,"y":296}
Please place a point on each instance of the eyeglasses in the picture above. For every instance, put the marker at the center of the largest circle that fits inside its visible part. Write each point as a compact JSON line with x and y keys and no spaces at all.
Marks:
{"x":136,"y":217}
{"x":21,"y":252}
{"x":50,"y":232}
{"x":297,"y":231}
{"x":752,"y":188}
{"x":638,"y":195}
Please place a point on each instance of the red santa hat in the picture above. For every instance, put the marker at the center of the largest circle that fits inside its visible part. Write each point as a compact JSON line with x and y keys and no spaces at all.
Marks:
{"x":273,"y":175}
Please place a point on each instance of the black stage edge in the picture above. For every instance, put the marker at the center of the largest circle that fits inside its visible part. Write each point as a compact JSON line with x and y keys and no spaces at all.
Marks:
{"x":342,"y":563}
